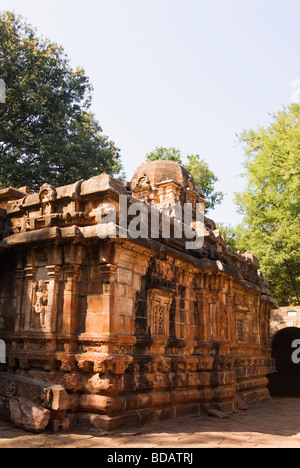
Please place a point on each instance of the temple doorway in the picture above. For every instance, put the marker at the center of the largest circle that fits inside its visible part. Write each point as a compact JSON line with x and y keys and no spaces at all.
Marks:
{"x":286,"y":352}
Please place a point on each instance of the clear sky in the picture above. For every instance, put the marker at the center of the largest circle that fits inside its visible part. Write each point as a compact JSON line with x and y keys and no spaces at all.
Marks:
{"x":190,"y":74}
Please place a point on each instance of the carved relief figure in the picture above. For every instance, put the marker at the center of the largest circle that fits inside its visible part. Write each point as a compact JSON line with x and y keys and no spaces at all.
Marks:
{"x":47,"y":209}
{"x":41,"y":302}
{"x":47,"y":193}
{"x":45,"y":196}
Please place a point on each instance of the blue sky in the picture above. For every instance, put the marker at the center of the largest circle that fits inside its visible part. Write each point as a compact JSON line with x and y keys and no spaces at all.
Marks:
{"x":188,"y":74}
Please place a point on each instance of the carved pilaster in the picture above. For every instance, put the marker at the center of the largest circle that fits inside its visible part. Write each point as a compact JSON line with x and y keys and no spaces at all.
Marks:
{"x":230,"y":312}
{"x":214,"y":300}
{"x":53,"y":275}
{"x":19,"y":282}
{"x":203,"y":310}
{"x":30,"y":273}
{"x":70,"y":308}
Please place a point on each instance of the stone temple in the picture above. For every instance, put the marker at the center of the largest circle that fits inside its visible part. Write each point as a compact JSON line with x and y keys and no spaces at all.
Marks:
{"x":118,"y":331}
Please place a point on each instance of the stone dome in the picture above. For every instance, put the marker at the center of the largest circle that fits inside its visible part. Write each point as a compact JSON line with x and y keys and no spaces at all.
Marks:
{"x":158,"y":171}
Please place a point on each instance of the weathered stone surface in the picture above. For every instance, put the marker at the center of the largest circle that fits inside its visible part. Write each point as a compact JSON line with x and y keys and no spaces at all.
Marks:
{"x":40,"y":393}
{"x":102,"y":183}
{"x":217,"y":414}
{"x":28,"y":416}
{"x":56,"y":398}
{"x":133,"y":330}
{"x":240,"y":403}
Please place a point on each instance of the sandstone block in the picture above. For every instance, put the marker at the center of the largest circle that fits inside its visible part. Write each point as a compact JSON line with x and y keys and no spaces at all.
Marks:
{"x":217,"y":414}
{"x":28,"y":416}
{"x":124,"y":276}
{"x":240,"y":404}
{"x":56,"y":398}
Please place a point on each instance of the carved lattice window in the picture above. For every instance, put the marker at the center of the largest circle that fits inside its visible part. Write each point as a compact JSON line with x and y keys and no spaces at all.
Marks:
{"x":159,"y":304}
{"x":240,"y":329}
{"x":159,"y":320}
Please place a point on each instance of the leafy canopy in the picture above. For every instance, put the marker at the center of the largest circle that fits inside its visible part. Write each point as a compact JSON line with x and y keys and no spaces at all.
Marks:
{"x":47,"y":132}
{"x":204,"y":178}
{"x":271,"y":202}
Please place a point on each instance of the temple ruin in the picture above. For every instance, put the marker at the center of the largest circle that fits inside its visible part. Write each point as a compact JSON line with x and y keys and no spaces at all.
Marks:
{"x":117,"y":331}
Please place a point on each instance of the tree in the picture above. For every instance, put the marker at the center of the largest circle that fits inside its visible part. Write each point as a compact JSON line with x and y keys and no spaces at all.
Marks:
{"x":47,"y":132}
{"x":271,"y":202}
{"x":170,"y":154}
{"x":204,"y":178}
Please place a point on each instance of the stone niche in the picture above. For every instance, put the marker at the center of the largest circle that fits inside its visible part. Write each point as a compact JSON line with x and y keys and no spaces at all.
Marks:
{"x":134,"y":330}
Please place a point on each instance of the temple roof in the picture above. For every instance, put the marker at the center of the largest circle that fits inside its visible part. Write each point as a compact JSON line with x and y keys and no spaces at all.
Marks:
{"x":154,"y":172}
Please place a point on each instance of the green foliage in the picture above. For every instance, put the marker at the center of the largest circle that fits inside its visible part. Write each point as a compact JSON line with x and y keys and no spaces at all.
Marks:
{"x":204,"y":178}
{"x":170,"y":154}
{"x":231,"y":235}
{"x":47,"y":133}
{"x":271,"y":202}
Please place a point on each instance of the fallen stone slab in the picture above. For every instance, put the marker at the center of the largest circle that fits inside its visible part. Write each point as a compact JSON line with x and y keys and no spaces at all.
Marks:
{"x":240,"y":403}
{"x":28,"y":416}
{"x":53,"y":398}
{"x":217,"y":414}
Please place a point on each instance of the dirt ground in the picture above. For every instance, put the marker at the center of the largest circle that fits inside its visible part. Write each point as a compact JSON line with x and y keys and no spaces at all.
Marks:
{"x":271,"y":424}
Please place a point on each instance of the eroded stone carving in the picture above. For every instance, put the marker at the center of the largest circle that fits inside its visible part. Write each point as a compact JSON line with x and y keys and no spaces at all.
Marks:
{"x":134,"y":329}
{"x":41,"y":301}
{"x":47,"y":194}
{"x":34,"y":404}
{"x":28,"y":416}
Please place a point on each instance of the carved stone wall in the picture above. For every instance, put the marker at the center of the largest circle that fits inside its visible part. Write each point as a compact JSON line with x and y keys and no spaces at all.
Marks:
{"x":134,"y":330}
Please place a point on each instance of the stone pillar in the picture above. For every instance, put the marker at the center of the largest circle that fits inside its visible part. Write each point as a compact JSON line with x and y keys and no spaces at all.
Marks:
{"x":53,"y":275}
{"x":230,"y":311}
{"x":215,"y":299}
{"x":214,"y":313}
{"x":30,"y":273}
{"x":19,"y":281}
{"x":203,"y":307}
{"x":224,"y":309}
{"x":70,"y":307}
